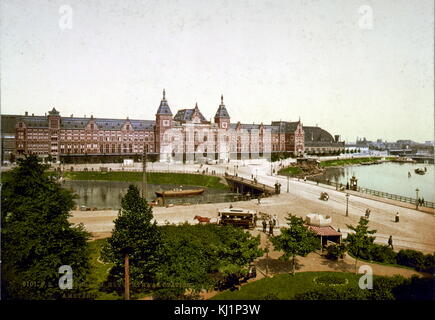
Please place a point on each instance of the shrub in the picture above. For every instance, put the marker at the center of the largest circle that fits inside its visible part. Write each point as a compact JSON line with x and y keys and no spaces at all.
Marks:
{"x":383,"y":287}
{"x":416,"y":289}
{"x":336,"y":251}
{"x":412,"y":258}
{"x":429,"y":263}
{"x":382,"y":253}
{"x":334,"y":293}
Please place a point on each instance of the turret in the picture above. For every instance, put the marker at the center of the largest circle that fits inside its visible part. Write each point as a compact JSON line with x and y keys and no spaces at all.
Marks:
{"x":222,"y":118}
{"x":163,"y":121}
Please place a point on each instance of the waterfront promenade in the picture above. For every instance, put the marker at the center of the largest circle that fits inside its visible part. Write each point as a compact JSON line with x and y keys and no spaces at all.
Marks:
{"x":415,"y":229}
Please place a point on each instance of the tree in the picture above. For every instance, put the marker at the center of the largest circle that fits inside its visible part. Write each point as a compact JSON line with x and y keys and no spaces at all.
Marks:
{"x":37,"y":238}
{"x":360,"y":242}
{"x":203,"y":257}
{"x":296,"y":240}
{"x":135,"y":234}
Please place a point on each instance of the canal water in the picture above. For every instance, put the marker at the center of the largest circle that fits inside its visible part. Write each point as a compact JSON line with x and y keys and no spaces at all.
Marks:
{"x":388,"y":177}
{"x":108,"y":194}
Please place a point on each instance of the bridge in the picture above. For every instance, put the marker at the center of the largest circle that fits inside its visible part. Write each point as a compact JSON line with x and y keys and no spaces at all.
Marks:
{"x":244,"y":186}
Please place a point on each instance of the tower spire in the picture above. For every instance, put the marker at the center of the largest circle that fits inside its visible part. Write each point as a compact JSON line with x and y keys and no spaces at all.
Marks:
{"x":222,"y":99}
{"x":164,"y":93}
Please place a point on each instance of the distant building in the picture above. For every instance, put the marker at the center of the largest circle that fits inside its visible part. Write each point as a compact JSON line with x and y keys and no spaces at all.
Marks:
{"x":320,"y":141}
{"x":186,"y":137}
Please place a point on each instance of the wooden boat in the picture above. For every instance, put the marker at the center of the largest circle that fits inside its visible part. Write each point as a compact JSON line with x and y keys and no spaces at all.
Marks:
{"x":419,"y":171}
{"x":179,"y":193}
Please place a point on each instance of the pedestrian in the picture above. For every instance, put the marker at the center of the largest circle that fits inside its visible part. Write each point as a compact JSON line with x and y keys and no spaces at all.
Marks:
{"x":422,"y":201}
{"x":397,"y":217}
{"x":275,"y":218}
{"x":255,"y":219}
{"x":264,"y":226}
{"x":270,"y":228}
{"x":390,"y":242}
{"x":367,"y":213}
{"x":259,"y":200}
{"x":231,"y":205}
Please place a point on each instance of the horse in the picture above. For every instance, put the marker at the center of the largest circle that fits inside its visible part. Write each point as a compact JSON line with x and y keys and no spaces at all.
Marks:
{"x":202,"y":219}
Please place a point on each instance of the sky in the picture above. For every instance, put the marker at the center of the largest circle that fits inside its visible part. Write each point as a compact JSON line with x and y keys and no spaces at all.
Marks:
{"x":355,"y":68}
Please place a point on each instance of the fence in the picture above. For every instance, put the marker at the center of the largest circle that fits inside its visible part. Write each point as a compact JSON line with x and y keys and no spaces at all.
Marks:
{"x":377,"y":193}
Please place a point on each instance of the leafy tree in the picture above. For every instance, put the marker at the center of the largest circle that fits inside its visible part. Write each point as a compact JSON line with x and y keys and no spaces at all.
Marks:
{"x":36,"y":236}
{"x":136,"y":235}
{"x":199,"y":256}
{"x":360,"y":242}
{"x":238,"y":251}
{"x":296,"y":240}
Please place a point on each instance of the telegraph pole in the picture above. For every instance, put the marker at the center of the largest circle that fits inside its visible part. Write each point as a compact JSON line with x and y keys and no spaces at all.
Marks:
{"x":144,"y":173}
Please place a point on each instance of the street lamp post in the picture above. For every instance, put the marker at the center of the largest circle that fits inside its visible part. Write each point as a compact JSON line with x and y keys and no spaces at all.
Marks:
{"x":416,"y":199}
{"x":347,"y":204}
{"x":288,"y":184}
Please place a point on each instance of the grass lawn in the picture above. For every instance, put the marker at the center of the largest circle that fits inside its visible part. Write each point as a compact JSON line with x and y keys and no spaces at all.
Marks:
{"x":283,"y":286}
{"x":343,"y":162}
{"x":99,"y":271}
{"x":290,"y":171}
{"x":152,"y":178}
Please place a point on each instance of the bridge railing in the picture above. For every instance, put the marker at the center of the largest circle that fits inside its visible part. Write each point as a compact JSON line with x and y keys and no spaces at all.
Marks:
{"x":427,"y":204}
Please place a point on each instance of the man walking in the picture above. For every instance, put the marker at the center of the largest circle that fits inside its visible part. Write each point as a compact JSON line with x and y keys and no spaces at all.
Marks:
{"x":270,"y":228}
{"x":264,"y":226}
{"x":397,"y":217}
{"x":390,"y":242}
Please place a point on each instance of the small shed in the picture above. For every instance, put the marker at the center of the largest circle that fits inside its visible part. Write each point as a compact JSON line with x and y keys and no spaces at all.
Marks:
{"x":326,"y":234}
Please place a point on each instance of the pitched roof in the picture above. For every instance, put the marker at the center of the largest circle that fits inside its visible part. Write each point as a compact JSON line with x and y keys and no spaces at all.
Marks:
{"x":222,"y":111}
{"x":324,"y":231}
{"x":164,"y":107}
{"x":187,"y":114}
{"x":35,"y":121}
{"x":285,"y":126}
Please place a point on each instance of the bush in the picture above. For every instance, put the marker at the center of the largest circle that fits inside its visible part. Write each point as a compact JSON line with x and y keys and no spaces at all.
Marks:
{"x":412,"y":258}
{"x":334,"y":293}
{"x":382,"y":253}
{"x":336,"y":251}
{"x":416,"y":289}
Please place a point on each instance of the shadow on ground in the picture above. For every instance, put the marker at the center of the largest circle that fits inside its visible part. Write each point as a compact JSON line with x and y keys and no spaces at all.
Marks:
{"x":277,"y":266}
{"x":338,"y":265}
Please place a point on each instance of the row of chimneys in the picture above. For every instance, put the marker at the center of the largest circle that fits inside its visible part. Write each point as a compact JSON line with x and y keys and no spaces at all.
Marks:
{"x":26,"y":114}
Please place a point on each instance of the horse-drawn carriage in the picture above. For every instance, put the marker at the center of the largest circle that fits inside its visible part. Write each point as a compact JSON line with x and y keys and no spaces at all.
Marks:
{"x":237,"y":217}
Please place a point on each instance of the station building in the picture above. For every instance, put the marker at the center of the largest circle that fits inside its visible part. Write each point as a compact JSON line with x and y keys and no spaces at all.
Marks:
{"x":186,"y":137}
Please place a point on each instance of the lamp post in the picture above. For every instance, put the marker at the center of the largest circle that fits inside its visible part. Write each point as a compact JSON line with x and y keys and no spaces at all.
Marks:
{"x":416,"y":199}
{"x":288,"y":184}
{"x":347,"y":204}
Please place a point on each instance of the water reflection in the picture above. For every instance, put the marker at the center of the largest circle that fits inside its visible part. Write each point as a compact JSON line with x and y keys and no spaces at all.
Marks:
{"x":388,"y":177}
{"x":108,"y":194}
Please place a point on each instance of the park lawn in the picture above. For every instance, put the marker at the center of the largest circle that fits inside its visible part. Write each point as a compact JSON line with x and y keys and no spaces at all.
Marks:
{"x":152,"y":178}
{"x":344,"y":162}
{"x":290,"y":171}
{"x":282,"y":286}
{"x":99,"y":271}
